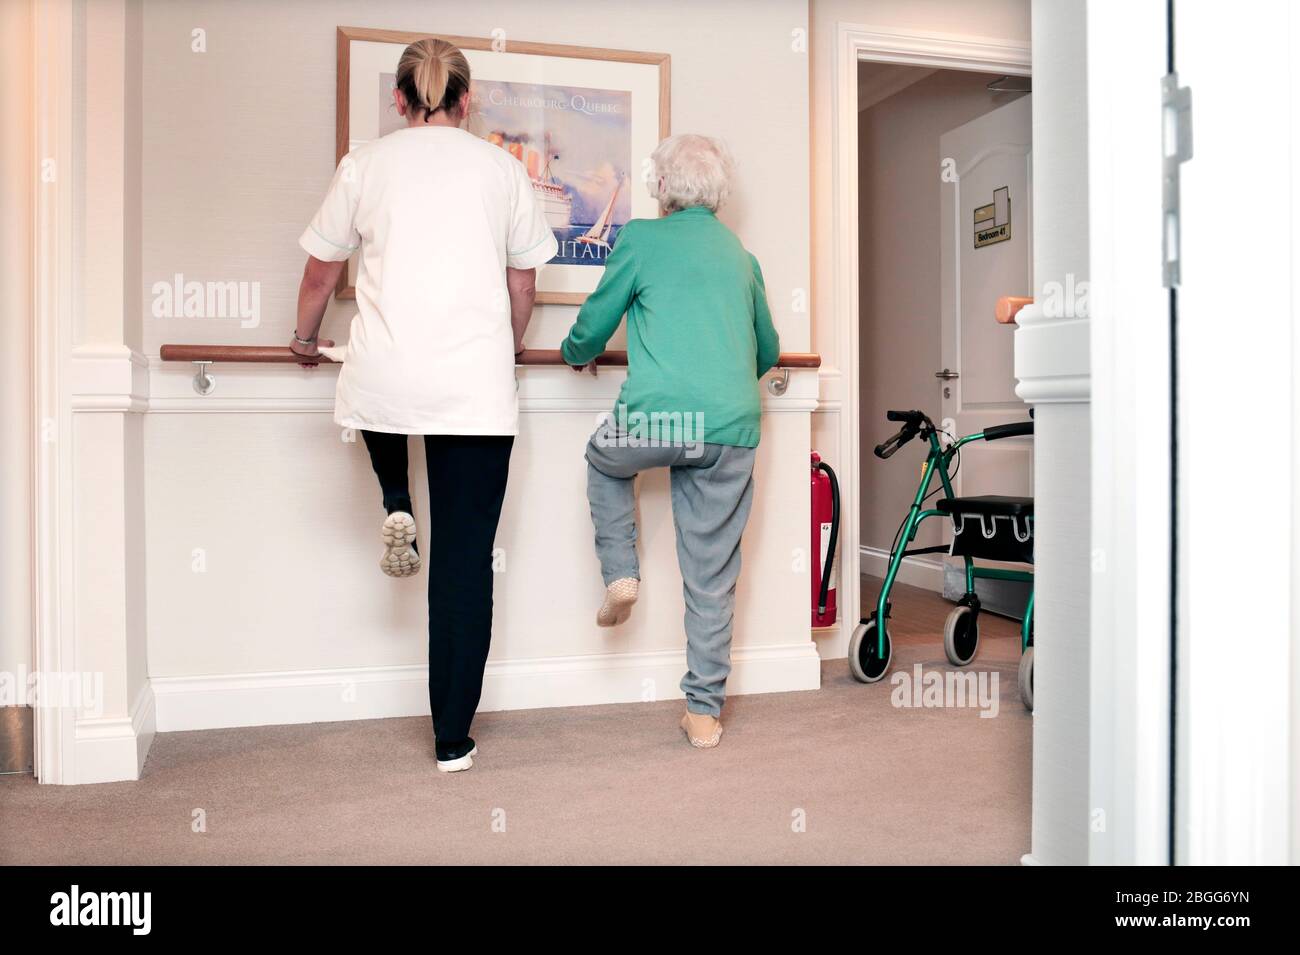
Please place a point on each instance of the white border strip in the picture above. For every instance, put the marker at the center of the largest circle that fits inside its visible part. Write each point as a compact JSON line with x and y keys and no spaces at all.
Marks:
{"x":365,"y":693}
{"x":916,"y":571}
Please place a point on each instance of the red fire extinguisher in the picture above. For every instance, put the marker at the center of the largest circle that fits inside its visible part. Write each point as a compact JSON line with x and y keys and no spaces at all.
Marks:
{"x":825,"y":532}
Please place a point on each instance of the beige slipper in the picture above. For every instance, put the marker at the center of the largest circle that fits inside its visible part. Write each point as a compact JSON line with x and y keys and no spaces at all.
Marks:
{"x":703,"y":731}
{"x":619,"y":598}
{"x":399,"y":558}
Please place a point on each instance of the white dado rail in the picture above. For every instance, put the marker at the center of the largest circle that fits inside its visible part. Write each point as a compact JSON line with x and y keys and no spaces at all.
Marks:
{"x":1052,"y":361}
{"x":1051,"y":356}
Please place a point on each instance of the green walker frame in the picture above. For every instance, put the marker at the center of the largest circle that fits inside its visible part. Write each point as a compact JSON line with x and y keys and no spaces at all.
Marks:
{"x":870,"y":650}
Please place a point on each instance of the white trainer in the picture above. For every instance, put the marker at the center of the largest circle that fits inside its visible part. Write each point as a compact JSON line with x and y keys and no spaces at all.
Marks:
{"x":458,"y":765}
{"x":619,"y":598}
{"x":400,"y":558}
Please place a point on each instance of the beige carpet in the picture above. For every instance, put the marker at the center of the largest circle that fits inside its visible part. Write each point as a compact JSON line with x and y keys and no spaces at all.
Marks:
{"x":871,"y":783}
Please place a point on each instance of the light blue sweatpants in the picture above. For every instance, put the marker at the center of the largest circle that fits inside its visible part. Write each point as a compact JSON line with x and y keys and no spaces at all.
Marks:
{"x":712,"y":491}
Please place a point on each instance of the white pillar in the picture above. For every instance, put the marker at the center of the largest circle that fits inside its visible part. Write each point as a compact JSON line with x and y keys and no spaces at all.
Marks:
{"x":92,"y":386}
{"x":1052,"y":365}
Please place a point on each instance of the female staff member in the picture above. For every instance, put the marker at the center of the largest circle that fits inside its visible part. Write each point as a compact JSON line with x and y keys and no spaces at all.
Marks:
{"x":699,"y":335}
{"x":450,"y":235}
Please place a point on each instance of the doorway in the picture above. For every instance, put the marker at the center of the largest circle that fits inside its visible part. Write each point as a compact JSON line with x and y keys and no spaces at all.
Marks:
{"x":873,"y":67}
{"x":945,"y":228}
{"x":854,"y":45}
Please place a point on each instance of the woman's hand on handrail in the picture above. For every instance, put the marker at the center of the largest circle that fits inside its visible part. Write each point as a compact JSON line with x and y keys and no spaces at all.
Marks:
{"x":590,"y":366}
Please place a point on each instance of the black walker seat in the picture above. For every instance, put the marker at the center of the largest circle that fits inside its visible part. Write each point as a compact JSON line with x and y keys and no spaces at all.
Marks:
{"x":991,"y":527}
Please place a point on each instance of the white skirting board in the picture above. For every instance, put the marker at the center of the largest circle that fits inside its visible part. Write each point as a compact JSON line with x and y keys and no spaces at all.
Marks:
{"x":112,"y":749}
{"x":917,"y":571}
{"x":1005,"y":597}
{"x":365,"y":693}
{"x":947,"y":579}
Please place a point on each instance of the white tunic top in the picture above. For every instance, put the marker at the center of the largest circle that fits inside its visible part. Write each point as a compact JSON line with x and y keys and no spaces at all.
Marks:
{"x":438,"y":214}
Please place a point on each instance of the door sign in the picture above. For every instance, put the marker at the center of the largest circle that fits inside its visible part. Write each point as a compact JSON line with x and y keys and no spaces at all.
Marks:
{"x":993,"y":221}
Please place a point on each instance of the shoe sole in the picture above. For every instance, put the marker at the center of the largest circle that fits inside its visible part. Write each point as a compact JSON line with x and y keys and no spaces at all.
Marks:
{"x":399,"y":558}
{"x":702,"y":743}
{"x":458,"y":765}
{"x":614,"y":612}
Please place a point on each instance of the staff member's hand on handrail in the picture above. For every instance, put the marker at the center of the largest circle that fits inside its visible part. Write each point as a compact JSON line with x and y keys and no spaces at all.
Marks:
{"x":318,"y":281}
{"x":310,"y":349}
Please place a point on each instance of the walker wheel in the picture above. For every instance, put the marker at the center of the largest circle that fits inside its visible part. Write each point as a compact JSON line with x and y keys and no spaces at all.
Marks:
{"x":961,"y":635}
{"x":1025,"y":678}
{"x":865,"y":662}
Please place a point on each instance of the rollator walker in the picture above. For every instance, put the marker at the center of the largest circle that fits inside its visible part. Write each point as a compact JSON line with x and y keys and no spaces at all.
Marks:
{"x":988,"y":527}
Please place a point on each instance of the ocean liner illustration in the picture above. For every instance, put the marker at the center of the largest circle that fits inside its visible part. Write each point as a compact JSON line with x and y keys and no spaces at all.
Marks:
{"x":557,"y":205}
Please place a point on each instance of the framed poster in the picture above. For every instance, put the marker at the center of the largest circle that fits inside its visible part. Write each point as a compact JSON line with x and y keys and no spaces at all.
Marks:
{"x":582,"y":120}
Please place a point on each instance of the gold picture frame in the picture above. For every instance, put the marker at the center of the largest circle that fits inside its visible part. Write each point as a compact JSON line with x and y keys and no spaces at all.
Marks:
{"x":517,"y":53}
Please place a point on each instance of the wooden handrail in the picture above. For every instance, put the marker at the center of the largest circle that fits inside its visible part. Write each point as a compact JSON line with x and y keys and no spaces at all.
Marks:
{"x":279,"y":354}
{"x":1008,"y":306}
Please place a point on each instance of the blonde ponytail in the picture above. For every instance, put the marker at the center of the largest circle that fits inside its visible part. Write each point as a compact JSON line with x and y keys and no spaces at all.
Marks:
{"x":433,"y":75}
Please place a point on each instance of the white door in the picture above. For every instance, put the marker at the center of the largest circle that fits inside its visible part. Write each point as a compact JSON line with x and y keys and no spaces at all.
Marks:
{"x":1237,"y":309}
{"x":987,"y":253}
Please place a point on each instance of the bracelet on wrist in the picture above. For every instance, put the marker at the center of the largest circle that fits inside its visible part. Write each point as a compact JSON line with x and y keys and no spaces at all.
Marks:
{"x":303,"y":341}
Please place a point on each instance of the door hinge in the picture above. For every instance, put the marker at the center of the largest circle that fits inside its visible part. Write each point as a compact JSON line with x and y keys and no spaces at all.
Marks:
{"x":1176,"y":112}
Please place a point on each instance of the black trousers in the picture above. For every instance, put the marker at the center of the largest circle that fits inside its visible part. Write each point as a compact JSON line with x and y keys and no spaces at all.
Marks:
{"x":467,"y":483}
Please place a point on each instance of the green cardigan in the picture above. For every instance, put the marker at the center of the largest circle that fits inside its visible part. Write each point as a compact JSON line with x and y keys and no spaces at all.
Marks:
{"x":699,"y":332}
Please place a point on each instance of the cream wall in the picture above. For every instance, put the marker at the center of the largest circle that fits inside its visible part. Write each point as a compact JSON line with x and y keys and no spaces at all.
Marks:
{"x":239,"y":141}
{"x":264,"y":600}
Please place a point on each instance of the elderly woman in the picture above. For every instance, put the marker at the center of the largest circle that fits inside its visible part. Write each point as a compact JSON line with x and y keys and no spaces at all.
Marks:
{"x":699,"y":336}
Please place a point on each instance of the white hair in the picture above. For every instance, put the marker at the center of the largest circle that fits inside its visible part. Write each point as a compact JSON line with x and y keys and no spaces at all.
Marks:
{"x":696,"y":171}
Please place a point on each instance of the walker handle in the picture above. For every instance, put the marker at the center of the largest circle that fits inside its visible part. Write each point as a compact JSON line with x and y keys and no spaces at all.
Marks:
{"x":1013,"y":430}
{"x":914,"y":418}
{"x":887,"y":448}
